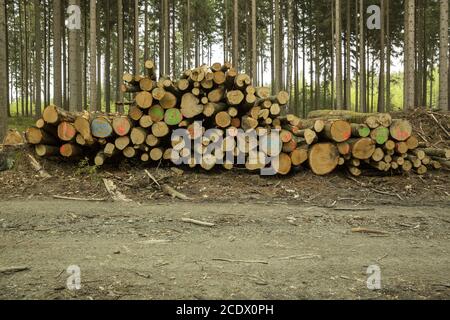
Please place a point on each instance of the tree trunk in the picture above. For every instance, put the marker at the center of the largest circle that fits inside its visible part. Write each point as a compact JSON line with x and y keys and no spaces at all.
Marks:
{"x":120,"y":53}
{"x":166,"y":38}
{"x":235,"y":34}
{"x":37,"y":61}
{"x":254,"y":72}
{"x":107,"y":56}
{"x":74,"y":66}
{"x":57,"y":80}
{"x":409,"y":78}
{"x":277,"y":49}
{"x":3,"y":66}
{"x":348,"y":80}
{"x":443,"y":57}
{"x":381,"y":81}
{"x":136,"y":68}
{"x":362,"y":56}
{"x":93,"y":55}
{"x":339,"y":102}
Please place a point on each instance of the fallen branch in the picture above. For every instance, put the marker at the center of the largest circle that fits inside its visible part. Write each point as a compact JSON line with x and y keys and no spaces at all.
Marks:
{"x":354,"y":209}
{"x":116,"y":195}
{"x":9,"y":270}
{"x":198,"y":222}
{"x":439,"y":124}
{"x":241,"y":261}
{"x":153,"y":178}
{"x":301,"y":257}
{"x":37,"y":166}
{"x":78,"y":199}
{"x":365,"y":230}
{"x":173,"y":193}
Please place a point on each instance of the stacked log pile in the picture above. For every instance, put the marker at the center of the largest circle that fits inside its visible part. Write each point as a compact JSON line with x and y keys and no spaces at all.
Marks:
{"x":215,"y":104}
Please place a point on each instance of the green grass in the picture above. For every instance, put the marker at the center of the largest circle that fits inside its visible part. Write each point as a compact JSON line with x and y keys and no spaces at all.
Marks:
{"x":20,"y":123}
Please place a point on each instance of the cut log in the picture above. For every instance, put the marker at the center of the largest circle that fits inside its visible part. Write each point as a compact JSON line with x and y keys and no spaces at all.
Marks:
{"x":160,"y":129}
{"x":13,"y":138}
{"x":122,"y":142}
{"x":338,"y":131}
{"x":110,"y":150}
{"x":262,"y":92}
{"x":401,"y":147}
{"x":223,"y":119}
{"x":34,"y":135}
{"x":323,"y":158}
{"x":146,"y":121}
{"x":378,"y":154}
{"x":362,"y":148}
{"x":152,"y":141}
{"x":121,"y":125}
{"x":144,"y":99}
{"x":344,"y":148}
{"x":299,"y":156}
{"x":190,"y":106}
{"x":101,"y":127}
{"x":100,"y":159}
{"x":156,"y":113}
{"x":380,"y":135}
{"x":70,"y":150}
{"x":235,"y":97}
{"x":283,"y":98}
{"x":412,"y":142}
{"x":169,"y":101}
{"x":434,"y":152}
{"x":129,"y":152}
{"x":55,"y":115}
{"x":135,"y":113}
{"x":138,"y":136}
{"x":360,"y":130}
{"x":43,"y":150}
{"x":401,"y":130}
{"x":173,"y":117}
{"x":66,"y":131}
{"x":248,"y":123}
{"x":83,"y":126}
{"x":156,"y":154}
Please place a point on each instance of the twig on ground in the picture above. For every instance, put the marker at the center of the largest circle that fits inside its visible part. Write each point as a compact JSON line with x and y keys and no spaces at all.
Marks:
{"x":439,"y":124}
{"x":78,"y":199}
{"x":241,"y":261}
{"x":153,"y":178}
{"x":365,"y":230}
{"x":198,"y":222}
{"x":354,"y":209}
{"x":9,"y":270}
{"x":112,"y":190}
{"x":173,"y":193}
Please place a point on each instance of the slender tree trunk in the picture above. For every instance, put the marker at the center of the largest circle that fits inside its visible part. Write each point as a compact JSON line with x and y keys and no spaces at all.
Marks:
{"x":339,"y":102}
{"x":136,"y":54}
{"x":120,"y":48}
{"x":161,"y":37}
{"x":277,"y":52}
{"x":235,"y":34}
{"x":443,"y":57}
{"x":348,"y":80}
{"x":362,"y":55}
{"x":388,"y":57}
{"x":188,"y":32}
{"x":381,"y":81}
{"x":74,"y":66}
{"x":409,"y":80}
{"x":166,"y":38}
{"x":93,"y":56}
{"x":107,"y":56}
{"x":254,"y":72}
{"x":174,"y":41}
{"x":37,"y":62}
{"x":3,"y":66}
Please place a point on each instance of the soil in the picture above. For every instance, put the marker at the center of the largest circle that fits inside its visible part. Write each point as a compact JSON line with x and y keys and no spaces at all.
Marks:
{"x":254,"y":251}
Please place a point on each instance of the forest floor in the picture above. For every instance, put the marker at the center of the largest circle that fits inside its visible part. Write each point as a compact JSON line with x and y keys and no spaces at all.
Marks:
{"x":274,"y":237}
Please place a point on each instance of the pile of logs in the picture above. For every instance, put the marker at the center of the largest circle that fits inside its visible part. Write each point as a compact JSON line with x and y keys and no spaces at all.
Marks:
{"x":220,"y":98}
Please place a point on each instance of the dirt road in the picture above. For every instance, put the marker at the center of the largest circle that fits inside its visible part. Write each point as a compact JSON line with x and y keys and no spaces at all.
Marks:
{"x":254,"y":251}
